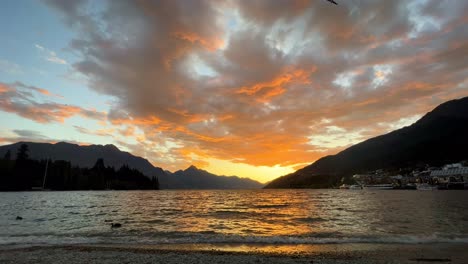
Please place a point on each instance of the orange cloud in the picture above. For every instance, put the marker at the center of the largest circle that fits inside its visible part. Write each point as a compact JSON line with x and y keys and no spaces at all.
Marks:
{"x":275,"y":87}
{"x":48,"y":93}
{"x":210,"y":44}
{"x":149,"y":121}
{"x":18,"y":99}
{"x":4,"y":88}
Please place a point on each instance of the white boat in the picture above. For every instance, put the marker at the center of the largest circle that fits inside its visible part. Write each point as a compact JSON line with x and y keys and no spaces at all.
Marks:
{"x":378,"y":187}
{"x":355,"y":187}
{"x":425,"y":187}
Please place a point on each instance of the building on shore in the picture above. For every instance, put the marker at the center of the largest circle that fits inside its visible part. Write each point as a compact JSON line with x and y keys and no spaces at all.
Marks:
{"x":451,"y":176}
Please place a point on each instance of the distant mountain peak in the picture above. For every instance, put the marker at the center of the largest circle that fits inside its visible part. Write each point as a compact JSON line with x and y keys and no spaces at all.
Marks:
{"x":192,"y":167}
{"x":195,"y":178}
{"x":63,"y":143}
{"x":112,"y":146}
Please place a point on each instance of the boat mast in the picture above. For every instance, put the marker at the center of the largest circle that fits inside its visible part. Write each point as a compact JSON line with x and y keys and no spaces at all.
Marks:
{"x":45,"y":174}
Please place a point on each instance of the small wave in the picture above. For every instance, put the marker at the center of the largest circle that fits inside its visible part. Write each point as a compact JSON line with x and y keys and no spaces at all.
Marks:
{"x":233,"y":214}
{"x":309,"y":219}
{"x":230,"y":214}
{"x":205,"y":237}
{"x":207,"y":232}
{"x":156,"y":221}
{"x":211,"y":237}
{"x":260,"y":206}
{"x":71,"y":206}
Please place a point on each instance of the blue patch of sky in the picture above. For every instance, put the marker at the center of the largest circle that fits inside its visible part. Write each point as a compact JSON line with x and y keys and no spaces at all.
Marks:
{"x":49,"y":130}
{"x":53,"y":130}
{"x":25,"y":24}
{"x":75,"y":135}
{"x":12,"y":121}
{"x":201,"y":68}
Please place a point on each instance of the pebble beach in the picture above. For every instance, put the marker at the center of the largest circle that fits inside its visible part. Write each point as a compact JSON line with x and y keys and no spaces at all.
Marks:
{"x":193,"y":254}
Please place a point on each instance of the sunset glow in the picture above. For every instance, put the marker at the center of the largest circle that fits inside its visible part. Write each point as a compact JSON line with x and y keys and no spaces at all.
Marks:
{"x":255,"y":89}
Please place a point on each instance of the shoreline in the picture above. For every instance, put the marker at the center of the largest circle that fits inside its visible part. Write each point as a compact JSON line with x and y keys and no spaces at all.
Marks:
{"x":239,"y":253}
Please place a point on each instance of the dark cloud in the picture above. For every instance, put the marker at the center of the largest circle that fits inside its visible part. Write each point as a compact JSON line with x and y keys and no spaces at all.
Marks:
{"x":22,"y":135}
{"x":31,"y":134}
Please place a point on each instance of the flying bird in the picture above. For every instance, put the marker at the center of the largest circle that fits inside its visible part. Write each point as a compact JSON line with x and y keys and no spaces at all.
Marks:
{"x":333,"y":2}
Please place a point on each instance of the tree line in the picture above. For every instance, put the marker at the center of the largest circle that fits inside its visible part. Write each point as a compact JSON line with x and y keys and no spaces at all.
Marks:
{"x":23,"y":174}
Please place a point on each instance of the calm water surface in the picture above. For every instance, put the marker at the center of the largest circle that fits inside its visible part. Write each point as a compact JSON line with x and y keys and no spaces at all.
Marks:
{"x":250,"y":216}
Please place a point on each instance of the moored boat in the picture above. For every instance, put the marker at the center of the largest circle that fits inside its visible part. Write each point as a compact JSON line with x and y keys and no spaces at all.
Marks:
{"x":378,"y":187}
{"x":426,"y":187}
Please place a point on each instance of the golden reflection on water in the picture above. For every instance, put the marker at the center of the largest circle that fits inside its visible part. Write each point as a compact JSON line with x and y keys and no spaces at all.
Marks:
{"x":298,"y":213}
{"x":241,"y":213}
{"x":275,"y":217}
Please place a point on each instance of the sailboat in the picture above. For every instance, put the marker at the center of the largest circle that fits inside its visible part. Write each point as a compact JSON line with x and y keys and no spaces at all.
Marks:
{"x":44,"y":180}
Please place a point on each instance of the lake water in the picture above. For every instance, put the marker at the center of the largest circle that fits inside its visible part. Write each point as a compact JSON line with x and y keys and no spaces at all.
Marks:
{"x":234,"y":217}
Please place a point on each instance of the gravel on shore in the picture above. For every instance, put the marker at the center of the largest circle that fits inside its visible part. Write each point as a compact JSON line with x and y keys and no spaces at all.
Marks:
{"x":113,"y":254}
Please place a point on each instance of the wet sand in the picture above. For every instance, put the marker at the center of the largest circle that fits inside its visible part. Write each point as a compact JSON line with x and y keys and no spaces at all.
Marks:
{"x":206,"y":253}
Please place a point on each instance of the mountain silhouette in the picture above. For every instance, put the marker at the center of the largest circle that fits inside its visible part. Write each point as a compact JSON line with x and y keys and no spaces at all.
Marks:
{"x":86,"y":156}
{"x":195,"y":178}
{"x":439,"y":137}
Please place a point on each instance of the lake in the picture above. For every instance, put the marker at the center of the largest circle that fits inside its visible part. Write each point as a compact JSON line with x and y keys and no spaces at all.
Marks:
{"x":279,"y":217}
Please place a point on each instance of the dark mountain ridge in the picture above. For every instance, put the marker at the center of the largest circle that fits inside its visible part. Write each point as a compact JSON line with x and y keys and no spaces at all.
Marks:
{"x":195,"y":178}
{"x":439,"y":137}
{"x":86,"y":157}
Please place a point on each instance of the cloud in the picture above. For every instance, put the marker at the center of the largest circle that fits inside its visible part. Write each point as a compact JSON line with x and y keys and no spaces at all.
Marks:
{"x":31,"y":134}
{"x":10,"y":67}
{"x":251,"y":81}
{"x":18,"y":135}
{"x":42,"y":91}
{"x":99,"y":132}
{"x":49,"y":55}
{"x":26,"y":101}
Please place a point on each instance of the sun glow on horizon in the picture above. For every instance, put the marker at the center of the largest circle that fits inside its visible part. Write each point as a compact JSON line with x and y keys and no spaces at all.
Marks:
{"x":262,"y":174}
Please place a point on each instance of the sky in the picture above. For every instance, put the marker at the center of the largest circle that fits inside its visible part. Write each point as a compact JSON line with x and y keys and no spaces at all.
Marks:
{"x":256,"y":88}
